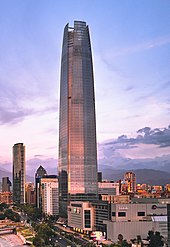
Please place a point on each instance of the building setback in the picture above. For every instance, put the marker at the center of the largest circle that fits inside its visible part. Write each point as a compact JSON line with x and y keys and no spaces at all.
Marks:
{"x":77,"y":124}
{"x":19,"y":173}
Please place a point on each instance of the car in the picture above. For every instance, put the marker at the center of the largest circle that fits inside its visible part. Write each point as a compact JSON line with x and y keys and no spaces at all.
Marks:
{"x":60,"y":238}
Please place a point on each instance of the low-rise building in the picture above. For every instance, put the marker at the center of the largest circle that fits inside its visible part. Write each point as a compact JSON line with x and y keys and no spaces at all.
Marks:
{"x":6,"y":197}
{"x":131,"y":220}
{"x":81,"y":216}
{"x":101,"y":213}
{"x":108,"y":188}
{"x":30,"y":193}
{"x":153,"y":200}
{"x":116,"y":199}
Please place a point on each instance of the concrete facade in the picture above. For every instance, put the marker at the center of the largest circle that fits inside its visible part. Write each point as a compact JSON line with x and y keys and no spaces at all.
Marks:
{"x":81,"y":216}
{"x":108,"y":188}
{"x":131,"y":220}
{"x":50,"y":195}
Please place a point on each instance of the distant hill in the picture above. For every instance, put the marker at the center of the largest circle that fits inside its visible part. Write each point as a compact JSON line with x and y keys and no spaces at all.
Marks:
{"x":148,"y":176}
{"x":4,"y":173}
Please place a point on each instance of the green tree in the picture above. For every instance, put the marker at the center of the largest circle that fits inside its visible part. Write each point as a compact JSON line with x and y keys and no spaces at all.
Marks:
{"x":12,"y":215}
{"x":44,"y":232}
{"x":3,"y":206}
{"x":158,"y":239}
{"x":125,"y":243}
{"x":2,"y":216}
{"x":38,"y":241}
{"x":155,"y":239}
{"x":88,"y":245}
{"x":32,"y":212}
{"x":121,"y":242}
{"x":120,"y":239}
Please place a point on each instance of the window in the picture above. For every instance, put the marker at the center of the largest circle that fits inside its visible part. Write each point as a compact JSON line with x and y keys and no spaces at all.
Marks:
{"x":121,"y":214}
{"x":141,"y":213}
{"x":113,"y":214}
{"x":87,"y":218}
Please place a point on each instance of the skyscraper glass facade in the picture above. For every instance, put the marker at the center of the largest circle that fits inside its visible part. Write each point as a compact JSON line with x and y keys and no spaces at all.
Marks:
{"x":77,"y":124}
{"x":19,"y":173}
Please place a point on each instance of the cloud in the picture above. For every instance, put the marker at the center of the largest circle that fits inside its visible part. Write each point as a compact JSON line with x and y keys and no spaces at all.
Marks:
{"x":161,"y":89}
{"x":14,"y":107}
{"x":149,"y":149}
{"x":146,"y":135}
{"x":143,"y":46}
{"x":160,"y":137}
{"x":13,"y":115}
{"x":38,"y":156}
{"x":16,"y":114}
{"x":129,"y":88}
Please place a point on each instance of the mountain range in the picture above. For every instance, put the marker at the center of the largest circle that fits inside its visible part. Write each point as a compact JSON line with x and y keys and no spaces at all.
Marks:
{"x":142,"y":168}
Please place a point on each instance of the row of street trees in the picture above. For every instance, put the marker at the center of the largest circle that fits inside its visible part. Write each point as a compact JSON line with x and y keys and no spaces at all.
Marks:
{"x":44,"y":235}
{"x":8,"y":213}
{"x":155,"y":240}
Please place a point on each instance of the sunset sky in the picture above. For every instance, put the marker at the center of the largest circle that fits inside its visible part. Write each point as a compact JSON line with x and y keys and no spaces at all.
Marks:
{"x":131,"y":56}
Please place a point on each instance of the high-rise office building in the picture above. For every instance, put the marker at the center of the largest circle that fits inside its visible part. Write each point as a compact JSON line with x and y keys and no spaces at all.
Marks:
{"x":130,"y":179}
{"x":77,"y":125}
{"x":6,"y":184}
{"x":49,"y":193}
{"x":19,"y":173}
{"x":38,"y":175}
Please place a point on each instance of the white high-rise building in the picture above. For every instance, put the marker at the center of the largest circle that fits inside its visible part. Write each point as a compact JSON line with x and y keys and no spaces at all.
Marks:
{"x":49,"y":192}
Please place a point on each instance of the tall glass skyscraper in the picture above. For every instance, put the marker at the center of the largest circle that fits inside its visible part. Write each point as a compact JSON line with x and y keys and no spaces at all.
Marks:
{"x":77,"y":124}
{"x":19,"y":173}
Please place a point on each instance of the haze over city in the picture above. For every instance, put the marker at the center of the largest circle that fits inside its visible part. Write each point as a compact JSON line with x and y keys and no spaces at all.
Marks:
{"x":131,"y":59}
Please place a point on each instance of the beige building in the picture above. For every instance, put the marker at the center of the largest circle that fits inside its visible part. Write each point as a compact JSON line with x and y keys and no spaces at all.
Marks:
{"x":50,"y":196}
{"x":108,"y":188}
{"x":116,"y":199}
{"x":131,"y":220}
{"x":29,"y":193}
{"x":81,"y":216}
{"x":6,"y":197}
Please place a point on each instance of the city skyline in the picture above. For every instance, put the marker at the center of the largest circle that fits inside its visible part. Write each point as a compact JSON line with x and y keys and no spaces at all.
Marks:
{"x":130,"y":45}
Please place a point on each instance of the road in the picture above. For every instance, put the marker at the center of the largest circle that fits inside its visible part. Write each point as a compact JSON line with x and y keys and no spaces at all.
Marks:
{"x":79,"y":240}
{"x":63,"y":242}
